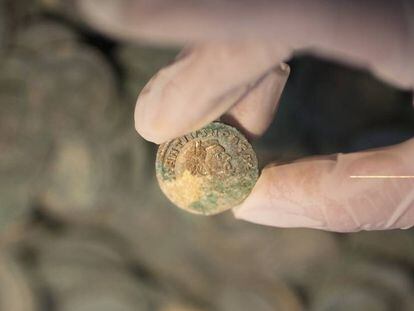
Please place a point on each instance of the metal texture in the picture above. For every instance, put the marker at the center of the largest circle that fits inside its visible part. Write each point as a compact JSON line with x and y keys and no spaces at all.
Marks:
{"x":207,"y":171}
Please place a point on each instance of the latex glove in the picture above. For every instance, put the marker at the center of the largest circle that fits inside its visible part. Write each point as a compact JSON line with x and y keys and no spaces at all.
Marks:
{"x":233,"y":66}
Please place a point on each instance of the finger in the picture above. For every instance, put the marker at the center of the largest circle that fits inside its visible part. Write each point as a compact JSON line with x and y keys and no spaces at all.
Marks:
{"x":375,"y":34}
{"x":255,"y":111}
{"x":205,"y":82}
{"x":319,"y":193}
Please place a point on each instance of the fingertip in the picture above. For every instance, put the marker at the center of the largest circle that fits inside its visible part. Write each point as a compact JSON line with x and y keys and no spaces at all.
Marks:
{"x":147,"y":134}
{"x":102,"y":14}
{"x":268,"y":205}
{"x":201,"y":85}
{"x":283,"y":69}
{"x":255,"y":111}
{"x":147,"y":124}
{"x":156,"y":117}
{"x":322,"y":193}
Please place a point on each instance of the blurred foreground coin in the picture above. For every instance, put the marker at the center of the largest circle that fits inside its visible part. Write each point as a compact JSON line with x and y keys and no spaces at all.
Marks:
{"x":207,"y":171}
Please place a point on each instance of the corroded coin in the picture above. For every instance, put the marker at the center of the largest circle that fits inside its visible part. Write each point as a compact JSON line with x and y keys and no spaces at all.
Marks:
{"x":207,"y":171}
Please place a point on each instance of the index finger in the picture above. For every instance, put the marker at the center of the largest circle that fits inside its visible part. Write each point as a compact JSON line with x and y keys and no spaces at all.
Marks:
{"x":375,"y":34}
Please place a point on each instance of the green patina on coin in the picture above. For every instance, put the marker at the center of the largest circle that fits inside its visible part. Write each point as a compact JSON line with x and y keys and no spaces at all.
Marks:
{"x":207,"y":171}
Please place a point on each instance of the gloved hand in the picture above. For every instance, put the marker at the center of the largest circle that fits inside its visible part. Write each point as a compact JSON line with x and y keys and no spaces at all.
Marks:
{"x":233,"y":66}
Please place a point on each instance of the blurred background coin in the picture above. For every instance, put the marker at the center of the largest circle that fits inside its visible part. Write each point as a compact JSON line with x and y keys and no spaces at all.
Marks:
{"x":363,"y":285}
{"x":139,"y":63}
{"x":261,"y":298}
{"x":86,"y":267}
{"x":16,"y":292}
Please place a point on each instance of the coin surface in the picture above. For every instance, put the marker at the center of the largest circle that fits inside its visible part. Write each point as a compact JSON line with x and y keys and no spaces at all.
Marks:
{"x":207,"y":171}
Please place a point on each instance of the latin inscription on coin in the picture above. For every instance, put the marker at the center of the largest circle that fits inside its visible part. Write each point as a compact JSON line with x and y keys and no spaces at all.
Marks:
{"x":207,"y":171}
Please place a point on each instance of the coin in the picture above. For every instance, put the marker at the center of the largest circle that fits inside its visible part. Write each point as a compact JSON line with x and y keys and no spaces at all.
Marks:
{"x":207,"y":171}
{"x":16,"y":292}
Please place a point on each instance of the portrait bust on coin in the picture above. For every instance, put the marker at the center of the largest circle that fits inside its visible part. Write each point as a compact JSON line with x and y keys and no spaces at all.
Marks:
{"x":207,"y":171}
{"x":207,"y":158}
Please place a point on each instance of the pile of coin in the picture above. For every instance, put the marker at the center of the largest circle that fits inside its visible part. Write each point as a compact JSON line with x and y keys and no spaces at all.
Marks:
{"x":75,"y":268}
{"x":71,"y":141}
{"x":363,"y":285}
{"x":16,"y":292}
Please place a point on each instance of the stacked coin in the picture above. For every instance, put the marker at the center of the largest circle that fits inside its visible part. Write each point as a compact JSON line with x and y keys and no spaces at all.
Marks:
{"x":65,"y":8}
{"x":179,"y":307}
{"x":15,"y":289}
{"x":387,"y":245}
{"x":260,"y":298}
{"x":74,"y":92}
{"x":87,"y":268}
{"x":4,"y":26}
{"x":159,"y":238}
{"x":24,"y":141}
{"x":358,"y":284}
{"x":199,"y":257}
{"x":72,"y":81}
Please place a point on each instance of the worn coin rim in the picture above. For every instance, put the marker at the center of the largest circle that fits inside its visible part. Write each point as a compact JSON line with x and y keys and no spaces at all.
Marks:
{"x":159,"y":168}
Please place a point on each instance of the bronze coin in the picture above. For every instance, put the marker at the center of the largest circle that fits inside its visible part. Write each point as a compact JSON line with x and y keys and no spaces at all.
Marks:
{"x":207,"y":171}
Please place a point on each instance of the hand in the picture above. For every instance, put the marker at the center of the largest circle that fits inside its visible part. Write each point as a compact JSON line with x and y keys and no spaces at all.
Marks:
{"x":233,"y":67}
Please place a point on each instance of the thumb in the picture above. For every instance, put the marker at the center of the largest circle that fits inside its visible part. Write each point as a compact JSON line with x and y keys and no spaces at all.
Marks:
{"x":321,"y":193}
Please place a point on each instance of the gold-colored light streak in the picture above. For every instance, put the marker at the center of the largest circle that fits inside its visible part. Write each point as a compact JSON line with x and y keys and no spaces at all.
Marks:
{"x":382,"y":176}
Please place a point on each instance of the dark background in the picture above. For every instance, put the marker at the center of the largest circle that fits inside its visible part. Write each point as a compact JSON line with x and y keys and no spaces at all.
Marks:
{"x":84,"y":226}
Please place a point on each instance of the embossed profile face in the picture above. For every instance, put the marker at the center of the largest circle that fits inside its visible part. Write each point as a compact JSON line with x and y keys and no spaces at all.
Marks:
{"x":208,"y":158}
{"x":207,"y":171}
